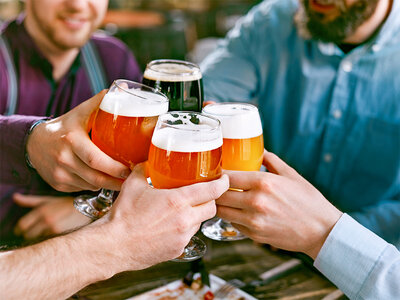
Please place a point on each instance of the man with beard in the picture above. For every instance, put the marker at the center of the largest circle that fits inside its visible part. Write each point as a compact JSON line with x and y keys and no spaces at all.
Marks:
{"x":51,"y":61}
{"x":324,"y":74}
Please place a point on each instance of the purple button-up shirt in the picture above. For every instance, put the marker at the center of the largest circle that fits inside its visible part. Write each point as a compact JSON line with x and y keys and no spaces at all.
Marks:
{"x":40,"y":96}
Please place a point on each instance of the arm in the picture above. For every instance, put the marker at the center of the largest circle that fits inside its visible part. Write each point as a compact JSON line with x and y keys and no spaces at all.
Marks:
{"x":13,"y":130}
{"x":133,"y":236}
{"x":73,"y":162}
{"x":360,"y":263}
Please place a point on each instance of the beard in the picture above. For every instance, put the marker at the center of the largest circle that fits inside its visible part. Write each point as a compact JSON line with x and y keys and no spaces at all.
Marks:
{"x":311,"y":24}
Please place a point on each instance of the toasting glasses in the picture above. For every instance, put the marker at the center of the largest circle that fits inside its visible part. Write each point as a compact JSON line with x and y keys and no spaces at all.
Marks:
{"x":186,"y":148}
{"x":123,"y":128}
{"x":242,"y":150}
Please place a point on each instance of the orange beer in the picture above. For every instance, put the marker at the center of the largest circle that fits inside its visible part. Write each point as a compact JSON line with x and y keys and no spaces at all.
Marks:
{"x":183,"y":152}
{"x":243,"y":145}
{"x":124,"y":124}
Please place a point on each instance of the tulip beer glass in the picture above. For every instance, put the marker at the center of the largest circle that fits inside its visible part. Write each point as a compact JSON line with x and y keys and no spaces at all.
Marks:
{"x":186,"y":148}
{"x":122,"y":128}
{"x":242,"y":150}
{"x":180,"y":81}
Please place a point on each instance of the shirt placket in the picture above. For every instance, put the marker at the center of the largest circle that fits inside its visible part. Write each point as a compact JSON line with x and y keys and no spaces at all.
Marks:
{"x":334,"y":132}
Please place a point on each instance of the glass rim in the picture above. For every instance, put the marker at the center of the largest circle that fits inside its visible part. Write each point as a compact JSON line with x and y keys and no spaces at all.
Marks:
{"x":173,"y":126}
{"x":195,"y":71}
{"x":252,"y":106}
{"x":117,"y":83}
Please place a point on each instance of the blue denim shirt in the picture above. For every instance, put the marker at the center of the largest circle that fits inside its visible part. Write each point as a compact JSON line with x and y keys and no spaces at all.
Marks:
{"x":334,"y":117}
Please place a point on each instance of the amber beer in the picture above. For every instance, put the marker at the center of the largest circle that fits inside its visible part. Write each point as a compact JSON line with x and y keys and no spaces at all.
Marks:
{"x":125,"y":122}
{"x":243,"y":145}
{"x":180,"y":81}
{"x":186,"y":148}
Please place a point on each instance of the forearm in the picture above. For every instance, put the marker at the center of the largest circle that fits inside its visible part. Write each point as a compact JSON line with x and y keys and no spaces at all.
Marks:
{"x":57,"y":268}
{"x":359,"y":262}
{"x":13,"y":130}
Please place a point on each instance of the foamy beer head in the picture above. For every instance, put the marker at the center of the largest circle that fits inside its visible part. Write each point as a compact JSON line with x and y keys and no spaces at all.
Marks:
{"x":181,"y":81}
{"x":238,"y":120}
{"x":243,"y":136}
{"x":186,"y":148}
{"x":134,"y":100}
{"x":126,"y":120}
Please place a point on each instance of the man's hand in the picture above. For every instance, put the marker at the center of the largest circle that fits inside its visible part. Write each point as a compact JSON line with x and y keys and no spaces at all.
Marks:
{"x":50,"y":215}
{"x":280,"y":208}
{"x":65,"y":157}
{"x":151,"y":225}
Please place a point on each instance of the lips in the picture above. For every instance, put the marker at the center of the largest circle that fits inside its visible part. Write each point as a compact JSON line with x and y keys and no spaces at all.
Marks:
{"x":74,"y":23}
{"x":322,"y":6}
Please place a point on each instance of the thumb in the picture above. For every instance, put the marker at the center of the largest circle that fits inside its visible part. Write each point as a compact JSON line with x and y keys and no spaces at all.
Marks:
{"x":87,"y":110}
{"x":29,"y":200}
{"x":277,"y":166}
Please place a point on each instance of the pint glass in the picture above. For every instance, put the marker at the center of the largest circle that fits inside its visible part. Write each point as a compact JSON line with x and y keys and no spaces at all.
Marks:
{"x":180,"y":81}
{"x":186,"y":148}
{"x":122,"y":128}
{"x":242,"y":150}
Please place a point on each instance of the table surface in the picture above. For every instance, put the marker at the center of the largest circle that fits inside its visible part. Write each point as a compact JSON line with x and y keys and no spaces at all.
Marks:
{"x":244,"y":260}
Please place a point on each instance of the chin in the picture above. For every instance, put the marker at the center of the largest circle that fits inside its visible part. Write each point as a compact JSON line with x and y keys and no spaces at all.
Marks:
{"x":67,"y":41}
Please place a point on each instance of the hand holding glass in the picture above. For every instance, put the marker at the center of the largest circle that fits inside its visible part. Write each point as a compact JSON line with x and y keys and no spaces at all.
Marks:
{"x":242,"y":150}
{"x":186,"y":148}
{"x":122,"y":128}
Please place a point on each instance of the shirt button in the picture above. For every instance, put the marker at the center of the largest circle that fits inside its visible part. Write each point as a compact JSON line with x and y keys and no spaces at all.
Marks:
{"x":327,"y":157}
{"x":376,"y":48}
{"x":347,"y":66}
{"x":337,"y":114}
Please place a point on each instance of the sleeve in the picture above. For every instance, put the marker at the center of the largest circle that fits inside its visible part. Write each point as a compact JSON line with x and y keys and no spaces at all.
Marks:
{"x":13,"y":133}
{"x":360,"y":263}
{"x":229,"y":72}
{"x":383,"y":219}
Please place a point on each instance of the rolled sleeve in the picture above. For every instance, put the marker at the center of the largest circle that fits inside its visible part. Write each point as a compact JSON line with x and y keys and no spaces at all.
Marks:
{"x":13,"y":133}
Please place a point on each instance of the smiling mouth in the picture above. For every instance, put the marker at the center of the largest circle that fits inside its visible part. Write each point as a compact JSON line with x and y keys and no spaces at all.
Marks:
{"x":322,"y":6}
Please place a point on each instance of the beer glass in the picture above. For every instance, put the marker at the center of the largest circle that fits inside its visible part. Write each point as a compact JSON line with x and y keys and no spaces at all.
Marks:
{"x":242,"y":150}
{"x":122,"y":128}
{"x":186,"y":148}
{"x":180,"y":81}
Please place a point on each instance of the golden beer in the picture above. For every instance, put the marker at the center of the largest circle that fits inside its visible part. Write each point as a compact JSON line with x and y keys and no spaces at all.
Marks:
{"x":183,"y":152}
{"x":243,"y":146}
{"x":124,"y":125}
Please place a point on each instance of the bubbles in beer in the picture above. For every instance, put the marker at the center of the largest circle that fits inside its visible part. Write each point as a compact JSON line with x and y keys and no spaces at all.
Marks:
{"x":238,"y":120}
{"x":135,"y":103}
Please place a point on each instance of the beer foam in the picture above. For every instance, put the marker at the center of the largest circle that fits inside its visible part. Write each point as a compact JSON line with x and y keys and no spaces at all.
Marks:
{"x":137,"y":103}
{"x":188,"y":137}
{"x":172,"y":72}
{"x":238,"y":120}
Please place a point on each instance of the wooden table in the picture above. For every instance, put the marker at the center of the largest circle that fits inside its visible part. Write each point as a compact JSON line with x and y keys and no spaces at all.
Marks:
{"x":244,"y":260}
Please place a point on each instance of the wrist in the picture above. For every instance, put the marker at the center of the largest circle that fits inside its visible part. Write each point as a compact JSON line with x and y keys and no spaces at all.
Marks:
{"x":326,"y":225}
{"x":28,"y":144}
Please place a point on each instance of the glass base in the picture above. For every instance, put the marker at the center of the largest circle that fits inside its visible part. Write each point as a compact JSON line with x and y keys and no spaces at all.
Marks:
{"x":194,"y":250}
{"x":220,"y":230}
{"x":89,"y":206}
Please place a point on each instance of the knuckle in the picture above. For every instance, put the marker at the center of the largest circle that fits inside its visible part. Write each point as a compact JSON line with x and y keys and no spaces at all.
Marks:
{"x":173,"y":201}
{"x":262,"y":184}
{"x":183,"y":225}
{"x":92,"y":159}
{"x":258,"y":203}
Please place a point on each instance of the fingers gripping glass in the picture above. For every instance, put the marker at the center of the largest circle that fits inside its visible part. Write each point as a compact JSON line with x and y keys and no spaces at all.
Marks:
{"x":122,"y":128}
{"x":242,"y":150}
{"x":186,"y":148}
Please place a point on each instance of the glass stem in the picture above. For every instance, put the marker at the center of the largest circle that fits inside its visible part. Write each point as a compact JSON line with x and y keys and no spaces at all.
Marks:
{"x":104,"y":199}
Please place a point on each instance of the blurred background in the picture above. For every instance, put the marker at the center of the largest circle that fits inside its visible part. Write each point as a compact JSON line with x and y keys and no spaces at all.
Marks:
{"x":152,"y":29}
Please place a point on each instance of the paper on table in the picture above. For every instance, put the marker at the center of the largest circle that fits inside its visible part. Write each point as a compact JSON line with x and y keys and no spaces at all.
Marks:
{"x":177,"y":290}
